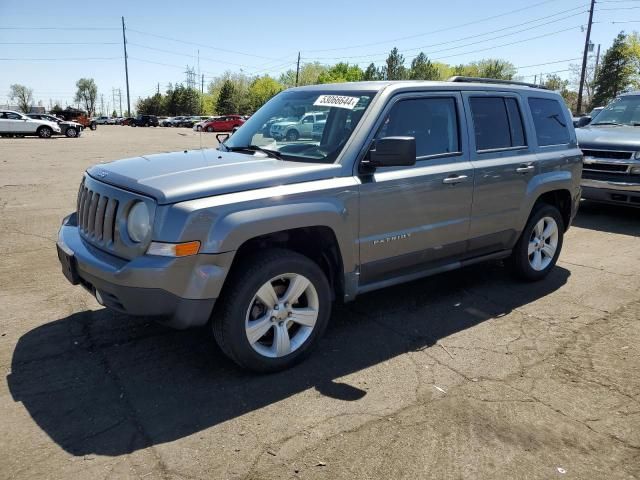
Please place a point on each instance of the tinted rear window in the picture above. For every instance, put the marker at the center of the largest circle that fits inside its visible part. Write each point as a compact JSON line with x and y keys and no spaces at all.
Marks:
{"x":550,"y":121}
{"x":497,"y":123}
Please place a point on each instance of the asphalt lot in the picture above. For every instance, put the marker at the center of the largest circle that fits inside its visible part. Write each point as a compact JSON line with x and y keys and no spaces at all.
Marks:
{"x":464,"y":375}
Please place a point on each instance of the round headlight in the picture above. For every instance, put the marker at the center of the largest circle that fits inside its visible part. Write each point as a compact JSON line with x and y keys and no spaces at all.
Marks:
{"x":138,"y":222}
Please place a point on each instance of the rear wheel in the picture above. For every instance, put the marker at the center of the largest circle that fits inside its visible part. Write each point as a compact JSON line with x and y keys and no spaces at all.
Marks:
{"x":93,"y":126}
{"x":539,"y":246}
{"x":274,"y":309}
{"x":209,"y":129}
{"x":45,"y":132}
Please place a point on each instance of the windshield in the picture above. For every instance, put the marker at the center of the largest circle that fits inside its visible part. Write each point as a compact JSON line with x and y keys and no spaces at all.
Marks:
{"x":622,"y":111}
{"x":303,"y":125}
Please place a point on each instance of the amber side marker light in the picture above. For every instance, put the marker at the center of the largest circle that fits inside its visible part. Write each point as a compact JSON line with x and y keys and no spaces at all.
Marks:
{"x":173,"y":249}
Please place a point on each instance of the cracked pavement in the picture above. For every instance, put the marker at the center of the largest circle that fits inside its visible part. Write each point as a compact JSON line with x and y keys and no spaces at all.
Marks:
{"x":464,"y":375}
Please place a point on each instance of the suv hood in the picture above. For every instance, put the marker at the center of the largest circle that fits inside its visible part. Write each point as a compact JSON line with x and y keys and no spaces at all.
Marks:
{"x":285,"y":123}
{"x":179,"y":176}
{"x":609,"y":137}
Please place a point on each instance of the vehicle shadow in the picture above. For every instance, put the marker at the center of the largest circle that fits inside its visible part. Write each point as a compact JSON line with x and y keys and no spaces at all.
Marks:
{"x":102,"y":383}
{"x":608,"y":218}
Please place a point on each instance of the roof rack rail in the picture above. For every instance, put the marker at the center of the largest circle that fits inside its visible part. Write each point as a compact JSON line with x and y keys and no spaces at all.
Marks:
{"x":494,"y":80}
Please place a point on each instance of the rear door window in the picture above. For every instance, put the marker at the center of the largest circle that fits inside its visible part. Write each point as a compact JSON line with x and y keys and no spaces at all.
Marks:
{"x":497,"y":123}
{"x":549,"y":121}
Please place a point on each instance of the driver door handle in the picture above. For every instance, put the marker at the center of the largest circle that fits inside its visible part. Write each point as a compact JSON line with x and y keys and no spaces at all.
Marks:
{"x":453,"y":179}
{"x":525,"y":168}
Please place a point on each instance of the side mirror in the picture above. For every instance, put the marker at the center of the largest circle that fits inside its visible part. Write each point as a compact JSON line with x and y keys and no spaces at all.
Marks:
{"x":393,"y":152}
{"x":583,"y":121}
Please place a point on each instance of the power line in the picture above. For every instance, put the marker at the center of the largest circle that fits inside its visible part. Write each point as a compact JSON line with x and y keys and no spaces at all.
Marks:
{"x":446,"y":29}
{"x":548,"y":63}
{"x":58,"y":28}
{"x":469,"y":37}
{"x":201,"y":45}
{"x":187,"y":55}
{"x":49,"y":59}
{"x":59,"y":43}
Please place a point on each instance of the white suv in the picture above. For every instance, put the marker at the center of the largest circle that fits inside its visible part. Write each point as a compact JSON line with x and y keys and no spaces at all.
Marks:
{"x":293,"y":130}
{"x":14,"y":123}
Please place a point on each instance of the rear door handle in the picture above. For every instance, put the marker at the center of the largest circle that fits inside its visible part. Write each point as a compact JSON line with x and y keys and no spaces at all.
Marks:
{"x":525,"y":168}
{"x":453,"y":179}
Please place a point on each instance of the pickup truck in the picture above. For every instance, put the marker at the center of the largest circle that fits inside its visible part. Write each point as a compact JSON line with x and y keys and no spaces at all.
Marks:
{"x":258,"y":238}
{"x":611,"y":147}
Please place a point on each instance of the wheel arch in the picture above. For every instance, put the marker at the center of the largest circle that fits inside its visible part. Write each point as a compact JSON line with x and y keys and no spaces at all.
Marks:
{"x":553,"y":188}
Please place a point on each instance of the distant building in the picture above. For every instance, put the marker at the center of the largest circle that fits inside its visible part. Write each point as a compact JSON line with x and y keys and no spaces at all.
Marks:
{"x":15,"y":108}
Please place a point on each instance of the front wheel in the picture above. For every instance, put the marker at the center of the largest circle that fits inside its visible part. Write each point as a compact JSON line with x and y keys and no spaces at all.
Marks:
{"x":274,"y":309}
{"x":292,"y":135}
{"x":71,"y":132}
{"x":209,"y":129}
{"x":45,"y":132}
{"x":93,"y":126}
{"x":539,"y":246}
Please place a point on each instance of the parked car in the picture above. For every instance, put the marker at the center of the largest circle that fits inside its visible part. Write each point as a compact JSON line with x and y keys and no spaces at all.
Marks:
{"x":293,"y":130}
{"x":176,"y":121}
{"x":145,"y":121}
{"x":198,"y":127}
{"x":226,"y":123}
{"x":101,"y":120}
{"x":611,"y":147}
{"x":16,"y":124}
{"x":127,"y":121}
{"x":67,"y":128}
{"x":257,"y":238}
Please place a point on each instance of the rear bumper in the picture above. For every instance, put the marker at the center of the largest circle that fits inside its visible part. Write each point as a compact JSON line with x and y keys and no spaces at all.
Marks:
{"x":180,"y":291}
{"x":620,"y":193}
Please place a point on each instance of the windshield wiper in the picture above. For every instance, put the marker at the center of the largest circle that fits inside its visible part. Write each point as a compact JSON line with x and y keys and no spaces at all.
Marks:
{"x":255,"y":148}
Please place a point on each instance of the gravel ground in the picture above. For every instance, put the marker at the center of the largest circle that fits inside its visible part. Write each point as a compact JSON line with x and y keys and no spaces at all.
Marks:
{"x":465,"y":375}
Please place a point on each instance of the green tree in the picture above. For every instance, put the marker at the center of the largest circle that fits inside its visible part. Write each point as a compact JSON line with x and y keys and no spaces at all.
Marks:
{"x":309,"y":74}
{"x":557,"y":84}
{"x":22,"y":95}
{"x":87,"y":93}
{"x":225,"y":104}
{"x":371,"y":73}
{"x":114,"y":114}
{"x":261,"y":90}
{"x":341,"y":72}
{"x":153,"y":105}
{"x":423,"y":69}
{"x":394,"y":68}
{"x":616,"y":72}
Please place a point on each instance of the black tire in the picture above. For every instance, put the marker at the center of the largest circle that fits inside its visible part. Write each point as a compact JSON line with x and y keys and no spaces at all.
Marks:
{"x":71,"y":132}
{"x":93,"y":126}
{"x":146,"y":124}
{"x":210,"y":129}
{"x":228,"y":322}
{"x":198,"y":128}
{"x":520,"y":258}
{"x":44,"y":132}
{"x":292,"y":135}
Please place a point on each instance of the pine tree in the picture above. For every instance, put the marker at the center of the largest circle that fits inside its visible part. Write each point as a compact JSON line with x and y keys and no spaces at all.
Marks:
{"x":423,"y":69}
{"x":615,"y":72}
{"x":395,"y":69}
{"x":371,"y":73}
{"x":225,"y":104}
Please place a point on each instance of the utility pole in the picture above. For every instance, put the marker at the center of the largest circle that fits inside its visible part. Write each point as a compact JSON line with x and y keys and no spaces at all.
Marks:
{"x":595,"y":70}
{"x":126,"y":66}
{"x":535,"y":79}
{"x":113,"y":97}
{"x":120,"y":98}
{"x":298,"y":70}
{"x":158,"y":88}
{"x":102,"y":104}
{"x":587,"y":41}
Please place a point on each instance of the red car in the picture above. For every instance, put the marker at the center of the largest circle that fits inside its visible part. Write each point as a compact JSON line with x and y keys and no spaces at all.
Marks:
{"x":227,"y":123}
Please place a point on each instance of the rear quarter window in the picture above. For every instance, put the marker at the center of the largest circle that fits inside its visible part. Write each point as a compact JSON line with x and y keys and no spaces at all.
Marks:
{"x":549,"y":121}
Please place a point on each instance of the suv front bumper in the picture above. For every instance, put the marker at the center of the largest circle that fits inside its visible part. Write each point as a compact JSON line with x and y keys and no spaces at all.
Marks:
{"x":180,"y":291}
{"x":616,"y":192}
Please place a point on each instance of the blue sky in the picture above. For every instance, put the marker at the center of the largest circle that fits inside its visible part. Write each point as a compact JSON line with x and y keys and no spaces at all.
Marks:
{"x":264,"y":37}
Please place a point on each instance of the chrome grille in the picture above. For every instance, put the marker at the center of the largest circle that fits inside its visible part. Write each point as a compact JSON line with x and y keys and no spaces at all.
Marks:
{"x":97,"y":216}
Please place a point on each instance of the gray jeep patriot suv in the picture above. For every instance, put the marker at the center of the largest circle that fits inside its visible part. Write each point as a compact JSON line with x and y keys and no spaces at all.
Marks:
{"x":259,"y":236}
